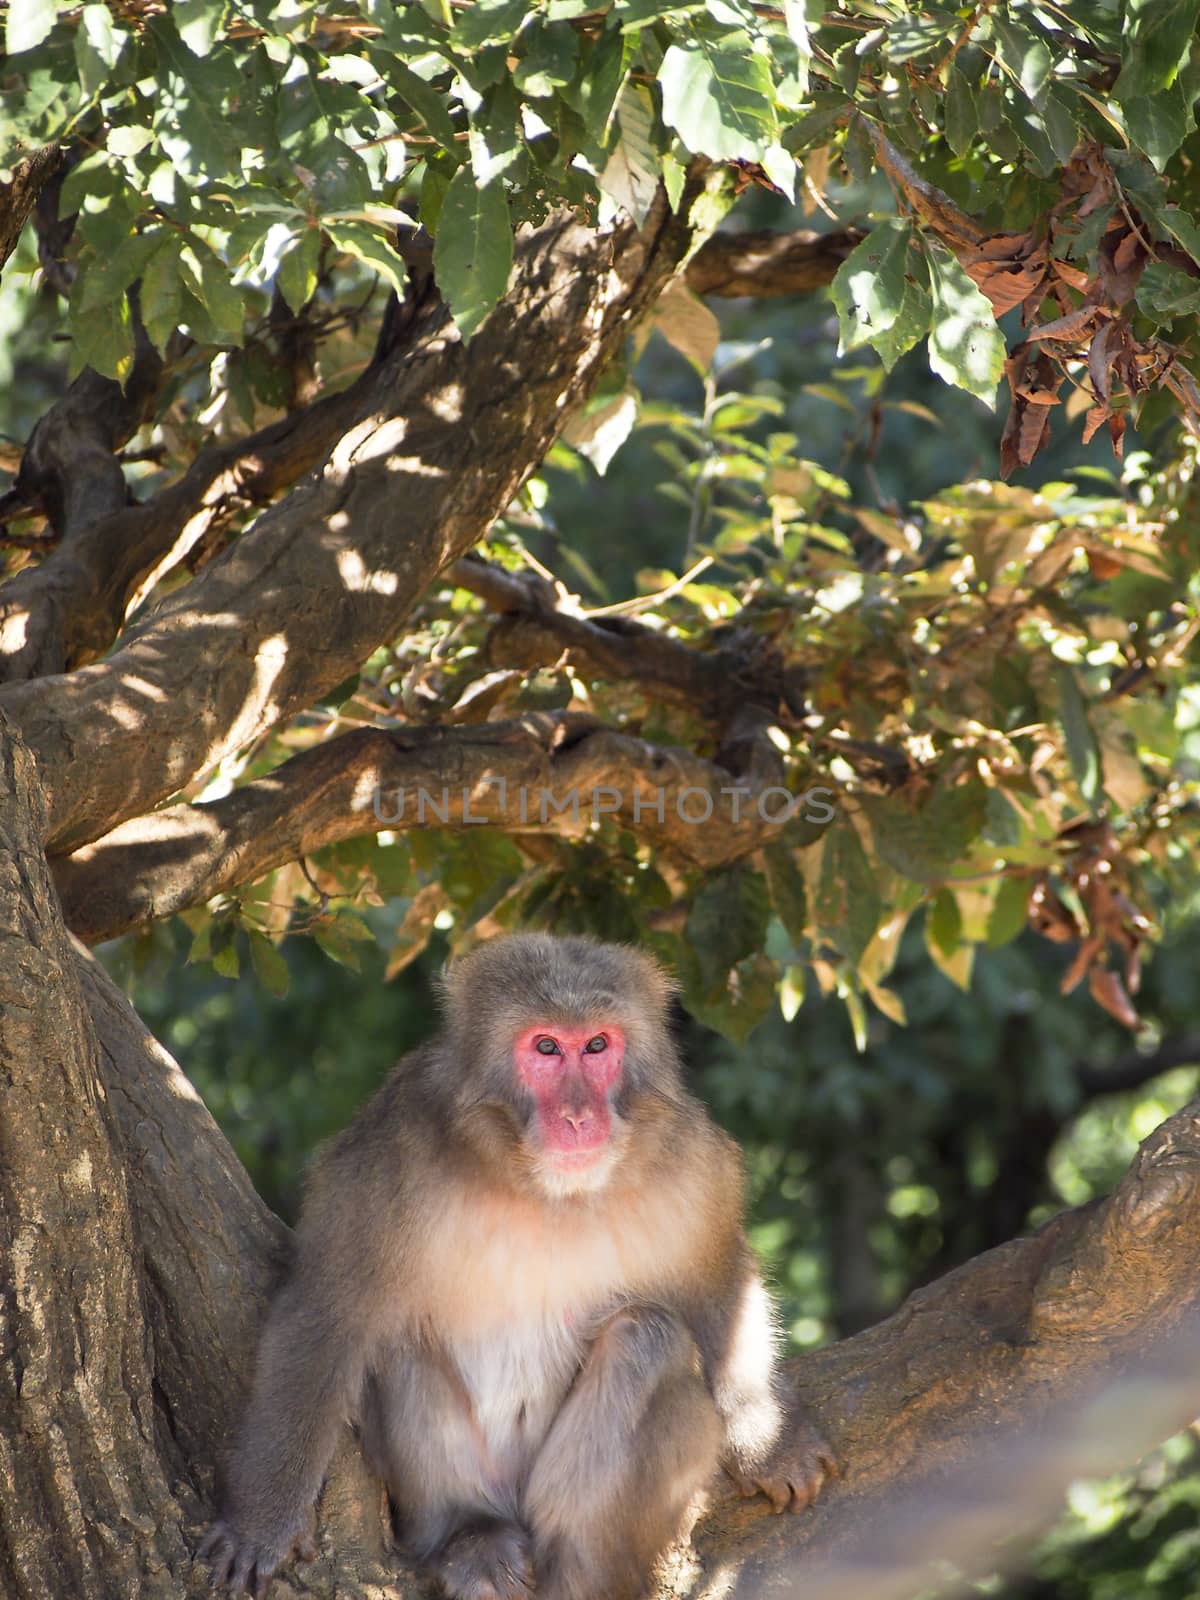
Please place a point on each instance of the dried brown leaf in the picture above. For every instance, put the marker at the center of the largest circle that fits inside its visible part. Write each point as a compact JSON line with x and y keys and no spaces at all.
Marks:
{"x":1108,"y":991}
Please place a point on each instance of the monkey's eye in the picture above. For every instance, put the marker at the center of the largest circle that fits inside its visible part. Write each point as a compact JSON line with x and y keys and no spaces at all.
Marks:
{"x":547,"y":1047}
{"x":595,"y":1044}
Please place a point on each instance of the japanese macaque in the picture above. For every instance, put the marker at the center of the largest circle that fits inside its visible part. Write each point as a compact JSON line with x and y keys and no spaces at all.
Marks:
{"x":521,"y":1272}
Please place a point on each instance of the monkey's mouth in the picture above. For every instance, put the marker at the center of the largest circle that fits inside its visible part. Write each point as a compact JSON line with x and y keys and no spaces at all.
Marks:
{"x":578,"y":1158}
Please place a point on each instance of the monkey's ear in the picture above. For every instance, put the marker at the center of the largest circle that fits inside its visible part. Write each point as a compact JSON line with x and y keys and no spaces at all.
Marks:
{"x":446,"y":982}
{"x":659,"y":980}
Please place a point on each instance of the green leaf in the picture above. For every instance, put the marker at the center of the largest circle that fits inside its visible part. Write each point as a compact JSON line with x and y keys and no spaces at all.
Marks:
{"x":957,"y":966}
{"x":1159,"y":123}
{"x":727,"y":922}
{"x":848,"y":904}
{"x":270,"y":968}
{"x":337,"y":947}
{"x":789,"y":897}
{"x":225,"y":960}
{"x":97,"y":46}
{"x":108,"y":280}
{"x":595,"y":92}
{"x":718,"y":96}
{"x":1165,"y":292}
{"x":1156,"y":40}
{"x":740,"y":1004}
{"x":925,"y":843}
{"x":913,"y":319}
{"x":943,"y":922}
{"x":297,"y":275}
{"x":961,"y":112}
{"x":1010,"y":912}
{"x":341,"y":181}
{"x":549,"y":59}
{"x":1083,"y":750}
{"x":473,"y":251}
{"x":361,"y":240}
{"x":191,"y":114}
{"x":428,"y":103}
{"x":495,"y":139}
{"x":630,"y":179}
{"x":868,"y":287}
{"x":490,"y":22}
{"x":966,"y":348}
{"x":221,"y":299}
{"x":199,"y":22}
{"x":1024,"y":54}
{"x":28,"y":23}
{"x":161,"y":292}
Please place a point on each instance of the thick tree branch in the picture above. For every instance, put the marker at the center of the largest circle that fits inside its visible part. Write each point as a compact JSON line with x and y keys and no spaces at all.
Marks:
{"x":70,"y":464}
{"x":961,"y":1419}
{"x":69,"y":608}
{"x":19,"y":195}
{"x":545,"y":773}
{"x":329,"y":573}
{"x":765,"y":263}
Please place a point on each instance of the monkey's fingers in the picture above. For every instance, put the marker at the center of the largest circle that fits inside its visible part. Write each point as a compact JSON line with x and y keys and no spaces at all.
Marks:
{"x":218,"y":1549}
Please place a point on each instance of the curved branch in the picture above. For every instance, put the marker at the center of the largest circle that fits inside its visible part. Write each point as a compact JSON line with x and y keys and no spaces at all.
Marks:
{"x":329,"y":573}
{"x":545,"y":773}
{"x":713,"y":684}
{"x":962,"y":1419}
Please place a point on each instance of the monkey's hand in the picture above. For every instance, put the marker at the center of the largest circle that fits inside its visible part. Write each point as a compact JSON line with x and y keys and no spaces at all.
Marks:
{"x":243,"y":1562}
{"x":795,"y":1471}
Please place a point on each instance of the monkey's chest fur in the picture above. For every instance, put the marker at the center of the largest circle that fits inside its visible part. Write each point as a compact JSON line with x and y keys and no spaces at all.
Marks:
{"x":518,"y":1291}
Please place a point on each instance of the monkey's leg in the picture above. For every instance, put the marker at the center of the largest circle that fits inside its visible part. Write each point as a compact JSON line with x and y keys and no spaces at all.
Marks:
{"x":635,"y":1439}
{"x":456,"y":1516}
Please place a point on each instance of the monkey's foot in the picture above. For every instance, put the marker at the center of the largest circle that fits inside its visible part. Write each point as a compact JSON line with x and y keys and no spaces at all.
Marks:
{"x":244,"y":1563}
{"x":795,"y":1472}
{"x":486,"y":1561}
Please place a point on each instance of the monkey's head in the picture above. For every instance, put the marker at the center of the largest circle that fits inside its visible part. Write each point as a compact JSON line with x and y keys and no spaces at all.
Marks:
{"x":558,"y":1040}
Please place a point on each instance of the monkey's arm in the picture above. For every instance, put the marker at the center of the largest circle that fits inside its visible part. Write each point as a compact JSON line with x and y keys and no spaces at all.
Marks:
{"x":771,"y":1445}
{"x":306,"y":1382}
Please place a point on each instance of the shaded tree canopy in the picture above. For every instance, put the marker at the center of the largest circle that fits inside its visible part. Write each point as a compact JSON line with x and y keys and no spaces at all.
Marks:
{"x":327,"y":330}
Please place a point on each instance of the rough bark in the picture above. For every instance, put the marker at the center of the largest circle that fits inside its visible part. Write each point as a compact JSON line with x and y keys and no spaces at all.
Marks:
{"x":19,"y":195}
{"x":329,"y":572}
{"x":544,"y":773}
{"x":137,"y":1261}
{"x":93,"y":1490}
{"x":68,"y":609}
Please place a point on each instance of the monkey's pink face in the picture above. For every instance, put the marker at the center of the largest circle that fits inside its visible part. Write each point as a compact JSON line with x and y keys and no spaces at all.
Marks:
{"x":572,"y":1074}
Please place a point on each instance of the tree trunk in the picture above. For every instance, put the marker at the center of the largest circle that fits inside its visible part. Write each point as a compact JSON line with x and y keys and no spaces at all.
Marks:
{"x":137,"y":1260}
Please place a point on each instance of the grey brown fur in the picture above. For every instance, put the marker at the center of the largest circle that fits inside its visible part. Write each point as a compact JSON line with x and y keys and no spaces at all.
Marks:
{"x":543,"y":1380}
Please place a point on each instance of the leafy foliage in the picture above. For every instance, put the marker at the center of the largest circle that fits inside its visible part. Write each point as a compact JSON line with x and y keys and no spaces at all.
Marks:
{"x":232,"y":147}
{"x":991,"y":685}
